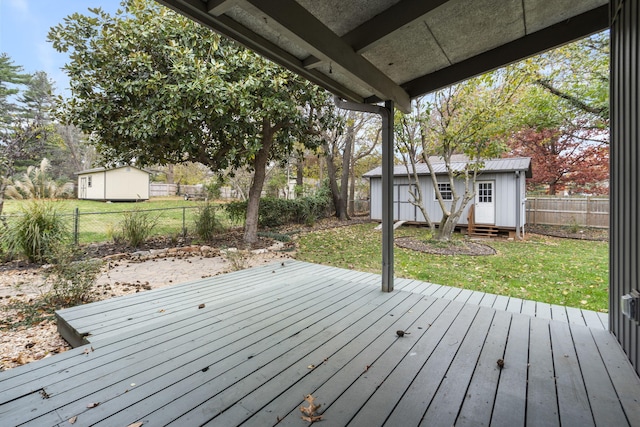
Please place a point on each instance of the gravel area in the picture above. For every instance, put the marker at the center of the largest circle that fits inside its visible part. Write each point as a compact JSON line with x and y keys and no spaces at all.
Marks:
{"x":122,"y":274}
{"x":127,"y":270}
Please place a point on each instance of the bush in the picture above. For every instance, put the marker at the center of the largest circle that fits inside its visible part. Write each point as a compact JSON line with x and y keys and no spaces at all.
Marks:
{"x":71,"y":278}
{"x":213,"y":189}
{"x":206,"y":223}
{"x":36,"y":232}
{"x":136,"y":227}
{"x":277,"y":212}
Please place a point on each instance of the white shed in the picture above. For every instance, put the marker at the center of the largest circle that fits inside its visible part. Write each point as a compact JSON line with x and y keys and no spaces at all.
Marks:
{"x":499,"y":200}
{"x":119,"y":184}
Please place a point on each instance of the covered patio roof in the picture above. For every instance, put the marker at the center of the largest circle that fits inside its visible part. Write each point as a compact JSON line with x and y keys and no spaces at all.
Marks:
{"x":367,"y":51}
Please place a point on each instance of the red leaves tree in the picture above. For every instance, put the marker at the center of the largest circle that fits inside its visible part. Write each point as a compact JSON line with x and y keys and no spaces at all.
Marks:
{"x":564,"y":159}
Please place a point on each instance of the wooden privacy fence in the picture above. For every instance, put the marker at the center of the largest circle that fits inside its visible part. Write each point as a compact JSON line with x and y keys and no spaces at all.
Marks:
{"x":583,"y":211}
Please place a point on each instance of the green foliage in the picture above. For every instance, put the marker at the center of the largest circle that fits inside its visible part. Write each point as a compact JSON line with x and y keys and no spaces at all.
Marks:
{"x":207,"y":225}
{"x":213,"y":189}
{"x":36,"y":232}
{"x":71,"y":279}
{"x":149,"y":84}
{"x":277,"y":212}
{"x":136,"y":226}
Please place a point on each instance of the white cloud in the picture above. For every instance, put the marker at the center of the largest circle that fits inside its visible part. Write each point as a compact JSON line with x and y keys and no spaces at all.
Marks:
{"x":20,"y":6}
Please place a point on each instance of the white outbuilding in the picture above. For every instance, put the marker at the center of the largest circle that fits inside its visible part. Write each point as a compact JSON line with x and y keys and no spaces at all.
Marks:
{"x":500,"y":191}
{"x":119,"y":184}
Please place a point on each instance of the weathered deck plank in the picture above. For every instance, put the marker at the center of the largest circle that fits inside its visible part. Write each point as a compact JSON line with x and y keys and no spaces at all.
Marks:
{"x":510,"y":402}
{"x":477,"y":406}
{"x":542,"y":402}
{"x":602,"y":396}
{"x":573,"y":403}
{"x":249,"y":357}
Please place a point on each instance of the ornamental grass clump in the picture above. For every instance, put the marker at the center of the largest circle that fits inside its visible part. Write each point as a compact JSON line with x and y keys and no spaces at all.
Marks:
{"x":207,"y":225}
{"x":136,"y":227}
{"x":36,"y":232}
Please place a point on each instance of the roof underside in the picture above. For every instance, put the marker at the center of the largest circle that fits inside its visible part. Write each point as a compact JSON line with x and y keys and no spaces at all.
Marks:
{"x":373,"y":50}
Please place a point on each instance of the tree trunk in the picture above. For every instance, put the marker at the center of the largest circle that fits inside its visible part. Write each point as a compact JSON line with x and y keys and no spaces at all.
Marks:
{"x":333,"y":183}
{"x":299,"y":190}
{"x":352,"y":192}
{"x":3,"y":187}
{"x":259,"y":174}
{"x":344,"y":179}
{"x":170,"y":175}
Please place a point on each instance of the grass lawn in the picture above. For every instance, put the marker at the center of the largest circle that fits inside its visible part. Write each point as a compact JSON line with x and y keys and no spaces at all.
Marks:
{"x":86,"y":206}
{"x":99,"y":221}
{"x":553,"y":270}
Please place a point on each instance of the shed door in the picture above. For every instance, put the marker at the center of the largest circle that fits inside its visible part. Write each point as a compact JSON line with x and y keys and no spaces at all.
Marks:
{"x":405,"y":210}
{"x":82,"y":194}
{"x":485,"y":202}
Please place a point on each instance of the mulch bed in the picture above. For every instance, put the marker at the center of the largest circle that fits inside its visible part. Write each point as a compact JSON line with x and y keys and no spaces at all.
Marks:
{"x":440,"y":248}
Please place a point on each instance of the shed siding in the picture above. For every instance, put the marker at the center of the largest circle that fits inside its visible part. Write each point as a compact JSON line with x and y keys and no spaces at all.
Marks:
{"x":505,"y":196}
{"x":127,"y":183}
{"x":625,"y":174}
{"x":124,"y":184}
{"x":96,"y":190}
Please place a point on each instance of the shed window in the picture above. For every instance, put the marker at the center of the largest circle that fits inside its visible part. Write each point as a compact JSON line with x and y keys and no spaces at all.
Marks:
{"x":445,"y":191}
{"x":89,"y":181}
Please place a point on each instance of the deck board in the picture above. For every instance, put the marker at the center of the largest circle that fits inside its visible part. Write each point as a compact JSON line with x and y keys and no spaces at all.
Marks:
{"x":264,"y":340}
{"x":573,"y":403}
{"x":510,"y":402}
{"x":542,"y":402}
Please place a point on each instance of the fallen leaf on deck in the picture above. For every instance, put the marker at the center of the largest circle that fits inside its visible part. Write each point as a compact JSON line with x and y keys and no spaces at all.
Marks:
{"x":311,"y":367}
{"x":73,"y":420}
{"x":138,"y":424}
{"x":161,"y":310}
{"x":93,"y":404}
{"x":201,"y":306}
{"x":310,"y":411}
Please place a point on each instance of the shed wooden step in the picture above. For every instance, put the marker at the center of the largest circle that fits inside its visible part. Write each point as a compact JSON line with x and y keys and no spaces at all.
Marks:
{"x":484,"y":230}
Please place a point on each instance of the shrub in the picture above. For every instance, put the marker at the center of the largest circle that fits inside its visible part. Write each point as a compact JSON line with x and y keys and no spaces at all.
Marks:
{"x":213,"y":189}
{"x":206,"y":223}
{"x":236,"y":211}
{"x":36,"y":232}
{"x":136,"y":226}
{"x":71,"y":279}
{"x":277,"y":212}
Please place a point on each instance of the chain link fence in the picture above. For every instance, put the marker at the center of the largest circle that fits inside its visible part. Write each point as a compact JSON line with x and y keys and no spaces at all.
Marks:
{"x":96,"y":227}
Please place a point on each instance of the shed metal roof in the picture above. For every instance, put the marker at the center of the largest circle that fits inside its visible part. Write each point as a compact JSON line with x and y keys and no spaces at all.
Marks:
{"x":372,"y":50}
{"x":512,"y":164}
{"x":102,"y":169}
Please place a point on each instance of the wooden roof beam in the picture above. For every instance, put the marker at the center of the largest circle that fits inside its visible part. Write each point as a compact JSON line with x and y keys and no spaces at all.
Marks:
{"x":305,"y":29}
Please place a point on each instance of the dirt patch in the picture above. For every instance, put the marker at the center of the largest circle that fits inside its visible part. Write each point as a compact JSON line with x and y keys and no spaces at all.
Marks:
{"x":579,"y":233}
{"x":457,"y":247}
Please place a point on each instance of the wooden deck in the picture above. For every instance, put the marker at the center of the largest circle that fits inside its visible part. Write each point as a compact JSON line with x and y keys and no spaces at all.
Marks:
{"x":268,"y":336}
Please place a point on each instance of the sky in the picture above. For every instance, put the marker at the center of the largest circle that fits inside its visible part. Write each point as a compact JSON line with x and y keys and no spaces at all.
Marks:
{"x":24,"y":25}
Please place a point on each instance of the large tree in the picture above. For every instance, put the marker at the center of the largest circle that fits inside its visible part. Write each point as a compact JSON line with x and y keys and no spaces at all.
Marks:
{"x":464,"y":119}
{"x":25,"y":129}
{"x":153,"y":87}
{"x":577,"y":74}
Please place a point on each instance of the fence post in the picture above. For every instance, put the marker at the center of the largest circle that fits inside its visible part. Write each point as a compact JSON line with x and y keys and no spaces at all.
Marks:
{"x":184,"y":222}
{"x":76,"y":226}
{"x":588,"y":216}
